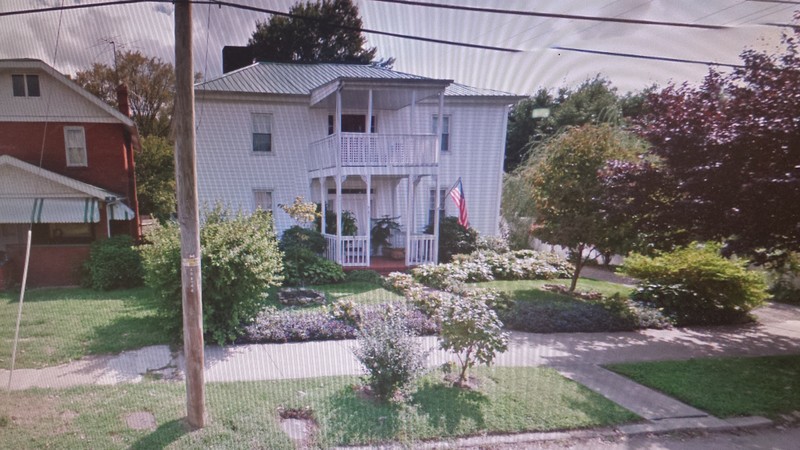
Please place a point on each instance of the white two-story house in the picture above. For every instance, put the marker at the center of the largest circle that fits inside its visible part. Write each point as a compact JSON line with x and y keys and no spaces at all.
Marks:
{"x":354,"y":138}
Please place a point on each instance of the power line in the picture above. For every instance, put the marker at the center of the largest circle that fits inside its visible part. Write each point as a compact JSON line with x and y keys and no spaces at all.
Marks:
{"x":556,"y":15}
{"x":363,"y":30}
{"x":648,"y":57}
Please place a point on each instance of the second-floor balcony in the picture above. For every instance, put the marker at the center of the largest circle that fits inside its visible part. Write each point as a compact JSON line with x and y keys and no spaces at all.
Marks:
{"x":373,"y":150}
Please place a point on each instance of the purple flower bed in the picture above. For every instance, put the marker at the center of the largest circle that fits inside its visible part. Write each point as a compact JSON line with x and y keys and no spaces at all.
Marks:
{"x":290,"y":325}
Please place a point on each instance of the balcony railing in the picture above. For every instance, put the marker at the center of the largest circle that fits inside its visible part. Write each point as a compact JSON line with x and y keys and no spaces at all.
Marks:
{"x":373,"y":150}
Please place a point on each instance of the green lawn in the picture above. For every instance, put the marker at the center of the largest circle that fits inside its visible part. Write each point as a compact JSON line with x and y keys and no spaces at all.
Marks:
{"x":244,"y":415}
{"x":59,"y":325}
{"x":725,"y":387}
{"x":532,"y":289}
{"x":358,"y":291}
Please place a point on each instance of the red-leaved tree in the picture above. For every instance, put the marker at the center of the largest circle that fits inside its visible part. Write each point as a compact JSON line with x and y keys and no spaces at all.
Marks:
{"x":724,"y":161}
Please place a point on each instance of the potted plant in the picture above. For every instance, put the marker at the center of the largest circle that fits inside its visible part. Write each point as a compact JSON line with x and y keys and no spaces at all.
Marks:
{"x":381,"y":231}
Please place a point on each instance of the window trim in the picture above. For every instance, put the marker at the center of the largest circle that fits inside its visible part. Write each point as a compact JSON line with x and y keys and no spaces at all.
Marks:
{"x":24,"y":89}
{"x":253,"y":133}
{"x":271,"y":193}
{"x":445,"y":145}
{"x":70,"y":163}
{"x":432,"y":205}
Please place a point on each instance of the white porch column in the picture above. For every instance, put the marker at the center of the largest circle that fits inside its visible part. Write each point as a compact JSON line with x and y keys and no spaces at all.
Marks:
{"x":436,"y":211}
{"x":369,"y":127}
{"x":368,"y":180}
{"x":339,"y":128}
{"x":409,"y":201}
{"x":339,"y":219}
{"x":323,"y":195}
{"x":412,"y":115}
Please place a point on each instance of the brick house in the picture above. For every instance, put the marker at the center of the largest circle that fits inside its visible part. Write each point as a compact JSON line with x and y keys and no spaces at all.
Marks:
{"x":66,"y":172}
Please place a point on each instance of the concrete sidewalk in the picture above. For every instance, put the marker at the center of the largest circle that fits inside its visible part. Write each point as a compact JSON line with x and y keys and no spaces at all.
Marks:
{"x":576,"y":355}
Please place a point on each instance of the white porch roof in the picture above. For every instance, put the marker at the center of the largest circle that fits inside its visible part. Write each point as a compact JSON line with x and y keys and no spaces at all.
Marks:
{"x":391,"y":94}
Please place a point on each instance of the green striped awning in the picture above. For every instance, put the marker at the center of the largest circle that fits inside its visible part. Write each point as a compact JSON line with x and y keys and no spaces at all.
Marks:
{"x":50,"y":210}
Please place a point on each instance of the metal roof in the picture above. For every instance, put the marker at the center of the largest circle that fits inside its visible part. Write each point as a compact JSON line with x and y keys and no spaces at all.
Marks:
{"x":301,"y":79}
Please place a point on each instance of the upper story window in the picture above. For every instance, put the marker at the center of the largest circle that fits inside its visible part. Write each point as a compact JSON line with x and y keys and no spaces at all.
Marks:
{"x":75,"y":144}
{"x":262,"y":133}
{"x":445,"y":131}
{"x":25,"y":85}
{"x":353,"y":123}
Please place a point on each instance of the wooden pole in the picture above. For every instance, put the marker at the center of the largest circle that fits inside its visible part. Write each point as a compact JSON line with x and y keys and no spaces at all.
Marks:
{"x":188,"y":215}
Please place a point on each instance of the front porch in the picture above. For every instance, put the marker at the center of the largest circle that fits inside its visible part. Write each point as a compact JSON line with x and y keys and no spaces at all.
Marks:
{"x":370,"y":176}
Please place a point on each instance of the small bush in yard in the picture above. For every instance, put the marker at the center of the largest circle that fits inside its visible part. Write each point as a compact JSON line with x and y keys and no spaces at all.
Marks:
{"x":114,"y":263}
{"x":364,"y":276}
{"x":299,"y":237}
{"x":240,"y":261}
{"x":393,"y":359}
{"x":303,"y":267}
{"x":399,"y":282}
{"x":472,"y":331}
{"x":695,"y":285}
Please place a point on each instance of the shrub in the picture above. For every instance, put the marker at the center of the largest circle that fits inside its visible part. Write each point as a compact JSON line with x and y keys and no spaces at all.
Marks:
{"x":298,"y":237}
{"x":453,"y":238}
{"x":289,"y":325}
{"x":439,"y":276}
{"x":399,"y":282}
{"x":240,"y":261}
{"x":113,"y":264}
{"x":472,"y":331}
{"x":346,"y":311}
{"x":364,"y":276}
{"x":569,"y":317}
{"x":695,"y":285}
{"x":784,"y":280}
{"x":392,"y":358}
{"x":494,"y":244}
{"x":301,"y":267}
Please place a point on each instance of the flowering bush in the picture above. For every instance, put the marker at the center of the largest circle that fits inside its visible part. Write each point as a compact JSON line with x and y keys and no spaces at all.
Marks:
{"x":399,"y":282}
{"x":472,"y":331}
{"x":290,"y":325}
{"x":392,"y":358}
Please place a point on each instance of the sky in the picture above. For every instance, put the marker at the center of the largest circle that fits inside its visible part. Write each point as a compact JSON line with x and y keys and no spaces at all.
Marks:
{"x":73,"y":40}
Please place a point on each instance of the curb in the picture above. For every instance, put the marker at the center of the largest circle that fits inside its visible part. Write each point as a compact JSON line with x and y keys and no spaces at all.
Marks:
{"x":664,"y":426}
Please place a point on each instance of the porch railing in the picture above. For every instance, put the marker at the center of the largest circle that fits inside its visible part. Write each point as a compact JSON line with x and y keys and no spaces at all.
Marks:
{"x":421,"y":251}
{"x":353,"y":250}
{"x":373,"y":150}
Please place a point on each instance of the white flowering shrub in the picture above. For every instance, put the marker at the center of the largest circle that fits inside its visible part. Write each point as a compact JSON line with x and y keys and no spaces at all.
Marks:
{"x":392,"y":358}
{"x":471,"y":330}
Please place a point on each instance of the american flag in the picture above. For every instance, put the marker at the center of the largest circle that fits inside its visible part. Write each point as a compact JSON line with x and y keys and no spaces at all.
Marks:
{"x":457,"y":194}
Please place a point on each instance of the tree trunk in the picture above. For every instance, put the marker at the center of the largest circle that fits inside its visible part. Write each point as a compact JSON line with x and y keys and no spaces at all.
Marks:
{"x":579,"y":261}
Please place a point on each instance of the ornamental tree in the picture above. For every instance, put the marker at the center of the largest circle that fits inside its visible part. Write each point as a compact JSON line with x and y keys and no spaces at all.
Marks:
{"x":566,"y":191}
{"x":724,"y":161}
{"x":472,"y":331}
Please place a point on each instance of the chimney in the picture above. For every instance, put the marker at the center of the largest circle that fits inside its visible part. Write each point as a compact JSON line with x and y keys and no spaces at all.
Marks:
{"x":122,"y":100}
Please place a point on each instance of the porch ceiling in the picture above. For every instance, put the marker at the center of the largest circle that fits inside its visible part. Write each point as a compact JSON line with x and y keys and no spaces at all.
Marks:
{"x":386,"y":94}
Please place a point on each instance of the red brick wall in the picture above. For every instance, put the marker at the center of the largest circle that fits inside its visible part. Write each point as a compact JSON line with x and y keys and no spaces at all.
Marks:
{"x":109,"y":167}
{"x":50,"y":265}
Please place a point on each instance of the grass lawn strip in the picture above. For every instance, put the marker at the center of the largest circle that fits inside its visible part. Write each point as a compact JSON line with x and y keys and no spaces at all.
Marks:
{"x":59,"y":325}
{"x":531,"y":289}
{"x":725,"y":387}
{"x":244,"y":415}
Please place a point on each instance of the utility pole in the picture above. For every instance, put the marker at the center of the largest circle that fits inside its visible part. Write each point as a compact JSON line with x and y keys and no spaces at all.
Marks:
{"x":188,"y":215}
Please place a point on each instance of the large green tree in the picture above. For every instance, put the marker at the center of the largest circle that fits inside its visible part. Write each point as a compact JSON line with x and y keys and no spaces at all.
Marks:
{"x":155,"y":177}
{"x":151,"y":88}
{"x":322,"y":31}
{"x":595,"y":101}
{"x":565,"y":188}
